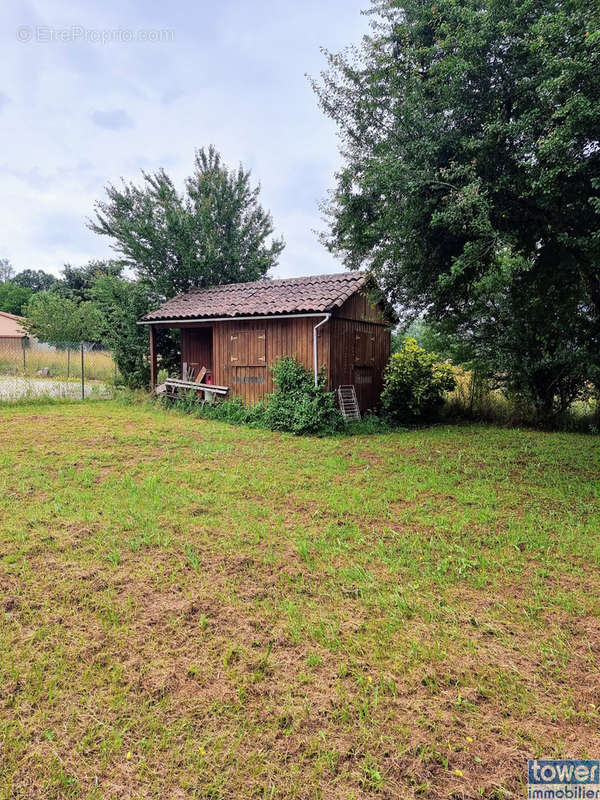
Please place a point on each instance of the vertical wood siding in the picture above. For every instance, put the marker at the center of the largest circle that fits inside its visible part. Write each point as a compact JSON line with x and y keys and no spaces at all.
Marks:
{"x":349,"y":366}
{"x":196,"y":347}
{"x":361,"y":350}
{"x":359,"y":307}
{"x":237,"y":351}
{"x":353,"y":348}
{"x":13,"y":344}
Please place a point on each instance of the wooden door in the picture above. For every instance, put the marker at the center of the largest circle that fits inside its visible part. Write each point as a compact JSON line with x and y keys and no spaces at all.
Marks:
{"x":197,"y":349}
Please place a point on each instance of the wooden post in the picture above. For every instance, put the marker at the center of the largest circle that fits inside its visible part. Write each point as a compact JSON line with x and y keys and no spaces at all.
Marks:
{"x":153,"y":362}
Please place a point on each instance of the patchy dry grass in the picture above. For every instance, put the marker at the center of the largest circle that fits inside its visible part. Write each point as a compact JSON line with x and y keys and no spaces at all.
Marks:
{"x":191,"y":610}
{"x":98,"y":364}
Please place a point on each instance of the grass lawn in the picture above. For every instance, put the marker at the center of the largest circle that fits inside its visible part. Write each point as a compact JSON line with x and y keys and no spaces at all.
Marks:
{"x":189,"y":609}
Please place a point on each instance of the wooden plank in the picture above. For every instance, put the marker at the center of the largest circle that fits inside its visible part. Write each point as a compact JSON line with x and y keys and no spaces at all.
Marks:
{"x":193,"y":385}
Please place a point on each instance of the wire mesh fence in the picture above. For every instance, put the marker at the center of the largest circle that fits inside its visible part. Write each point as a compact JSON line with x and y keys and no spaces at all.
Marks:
{"x":71,"y":369}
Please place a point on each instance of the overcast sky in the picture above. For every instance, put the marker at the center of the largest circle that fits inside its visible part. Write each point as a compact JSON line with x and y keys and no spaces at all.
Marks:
{"x":80,"y":112}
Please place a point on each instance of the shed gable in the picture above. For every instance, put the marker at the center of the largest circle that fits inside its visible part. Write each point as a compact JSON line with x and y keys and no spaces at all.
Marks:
{"x":360,"y":307}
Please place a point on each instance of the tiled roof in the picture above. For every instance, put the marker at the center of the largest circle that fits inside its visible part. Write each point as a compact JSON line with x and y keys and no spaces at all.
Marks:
{"x":317,"y":293}
{"x":10,"y":327}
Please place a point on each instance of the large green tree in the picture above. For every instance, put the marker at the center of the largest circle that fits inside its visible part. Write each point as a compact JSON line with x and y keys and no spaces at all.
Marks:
{"x":6,"y":270}
{"x":214,"y":232}
{"x":471,"y":182}
{"x":122,"y":303}
{"x":35,"y":279}
{"x":76,"y":282}
{"x":13,"y":298}
{"x":61,"y":321}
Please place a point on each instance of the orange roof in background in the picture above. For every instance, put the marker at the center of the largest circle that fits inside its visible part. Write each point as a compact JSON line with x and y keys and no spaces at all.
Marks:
{"x":10,"y":327}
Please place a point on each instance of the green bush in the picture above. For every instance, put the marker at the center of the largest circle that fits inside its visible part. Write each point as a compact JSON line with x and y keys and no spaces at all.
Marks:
{"x":414,"y":384}
{"x":297,"y":405}
{"x":121,"y":304}
{"x":232,"y":411}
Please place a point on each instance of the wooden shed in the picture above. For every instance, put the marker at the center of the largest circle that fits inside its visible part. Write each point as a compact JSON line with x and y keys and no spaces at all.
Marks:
{"x":339,"y":323}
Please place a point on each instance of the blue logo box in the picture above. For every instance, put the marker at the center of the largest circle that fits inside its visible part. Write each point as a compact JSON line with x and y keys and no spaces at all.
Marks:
{"x":552,"y":772}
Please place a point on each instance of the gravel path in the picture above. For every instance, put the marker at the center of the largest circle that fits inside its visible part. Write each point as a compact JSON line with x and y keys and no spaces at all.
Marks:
{"x":15,"y":388}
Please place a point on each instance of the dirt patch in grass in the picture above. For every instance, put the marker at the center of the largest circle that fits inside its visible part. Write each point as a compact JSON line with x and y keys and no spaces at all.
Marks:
{"x":193,"y":610}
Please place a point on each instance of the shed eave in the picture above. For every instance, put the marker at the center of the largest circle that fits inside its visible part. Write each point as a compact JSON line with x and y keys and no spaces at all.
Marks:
{"x":188,"y":320}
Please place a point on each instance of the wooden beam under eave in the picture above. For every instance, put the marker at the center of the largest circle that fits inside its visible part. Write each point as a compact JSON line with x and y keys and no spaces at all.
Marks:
{"x":153,"y":361}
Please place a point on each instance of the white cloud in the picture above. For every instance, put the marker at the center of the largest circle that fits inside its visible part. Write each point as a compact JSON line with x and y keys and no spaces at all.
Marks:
{"x":114,"y":120}
{"x":83,"y":114}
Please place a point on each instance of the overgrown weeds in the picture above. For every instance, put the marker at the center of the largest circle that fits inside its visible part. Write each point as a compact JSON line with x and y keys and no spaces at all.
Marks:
{"x":297,"y":405}
{"x":478,"y":399}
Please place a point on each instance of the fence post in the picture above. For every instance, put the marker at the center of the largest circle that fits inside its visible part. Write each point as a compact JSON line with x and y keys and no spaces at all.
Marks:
{"x":68,"y":362}
{"x":24,"y":357}
{"x":82,"y":375}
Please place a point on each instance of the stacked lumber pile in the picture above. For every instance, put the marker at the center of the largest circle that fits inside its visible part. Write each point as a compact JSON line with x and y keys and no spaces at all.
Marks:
{"x":208,"y":393}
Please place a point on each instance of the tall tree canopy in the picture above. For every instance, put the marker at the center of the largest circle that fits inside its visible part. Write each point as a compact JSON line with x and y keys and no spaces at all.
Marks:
{"x":471,"y":183}
{"x":61,"y":321}
{"x":35,"y":279}
{"x":6,"y":270}
{"x":16,"y":289}
{"x":77,"y":282}
{"x":13,"y":298}
{"x":215,"y":232}
{"x":122,"y":303}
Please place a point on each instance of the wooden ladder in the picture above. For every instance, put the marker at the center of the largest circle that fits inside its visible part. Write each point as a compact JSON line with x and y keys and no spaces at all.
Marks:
{"x":348,"y":402}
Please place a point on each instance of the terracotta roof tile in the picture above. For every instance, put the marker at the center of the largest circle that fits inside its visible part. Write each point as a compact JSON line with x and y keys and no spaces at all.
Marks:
{"x":10,"y":326}
{"x":317,"y":293}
